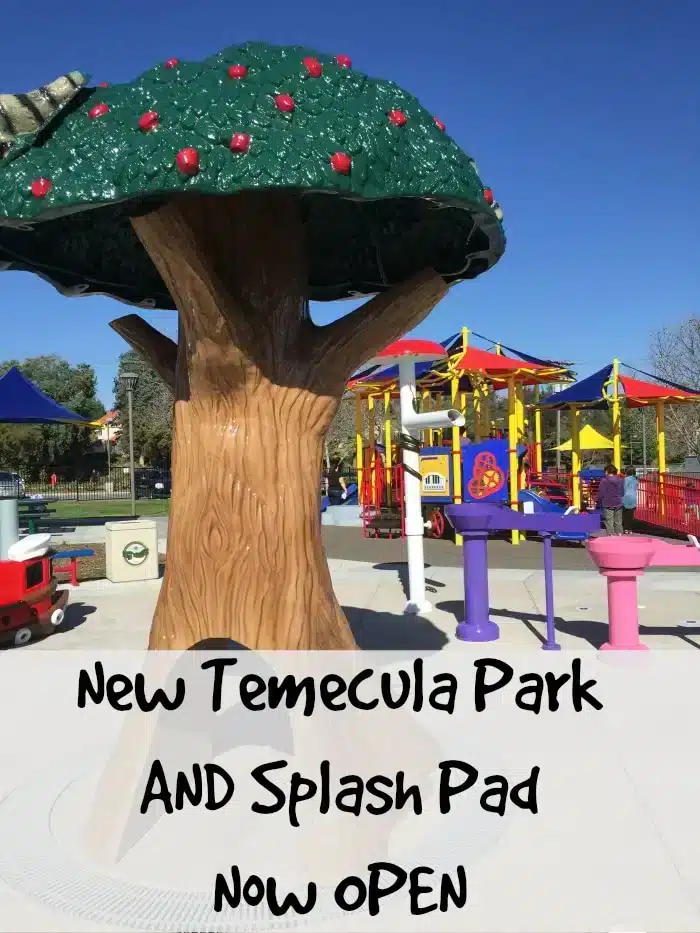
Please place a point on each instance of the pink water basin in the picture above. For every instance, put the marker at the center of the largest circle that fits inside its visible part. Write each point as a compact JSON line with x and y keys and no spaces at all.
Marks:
{"x":635,"y":552}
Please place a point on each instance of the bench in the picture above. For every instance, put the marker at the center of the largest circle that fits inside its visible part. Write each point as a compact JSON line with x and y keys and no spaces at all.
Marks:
{"x":30,"y":511}
{"x":31,"y":518}
{"x":73,"y":557}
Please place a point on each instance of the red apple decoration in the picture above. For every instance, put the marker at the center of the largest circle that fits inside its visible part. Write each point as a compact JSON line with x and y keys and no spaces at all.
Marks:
{"x":103,"y":84}
{"x":398,"y":117}
{"x":285,"y":103}
{"x":240,"y":142}
{"x":187,"y":161}
{"x":172,"y":63}
{"x":439,"y":124}
{"x":488,"y":196}
{"x":148,"y":121}
{"x":40,"y":187}
{"x":237,"y":72}
{"x":313,"y":66}
{"x":343,"y":61}
{"x":341,"y":163}
{"x":99,"y":110}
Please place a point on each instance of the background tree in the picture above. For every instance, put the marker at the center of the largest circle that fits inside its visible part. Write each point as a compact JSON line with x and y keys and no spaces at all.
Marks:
{"x":675,"y":356}
{"x":153,"y":412}
{"x":31,"y":449}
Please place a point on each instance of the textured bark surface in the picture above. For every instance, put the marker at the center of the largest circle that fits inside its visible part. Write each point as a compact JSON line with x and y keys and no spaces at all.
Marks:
{"x":256,"y":387}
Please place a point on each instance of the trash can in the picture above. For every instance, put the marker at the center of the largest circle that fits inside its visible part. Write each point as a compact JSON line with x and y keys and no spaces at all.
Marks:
{"x":9,"y":525}
{"x":131,"y":551}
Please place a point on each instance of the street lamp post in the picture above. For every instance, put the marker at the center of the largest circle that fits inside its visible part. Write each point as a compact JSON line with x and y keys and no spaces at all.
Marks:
{"x":129,"y":380}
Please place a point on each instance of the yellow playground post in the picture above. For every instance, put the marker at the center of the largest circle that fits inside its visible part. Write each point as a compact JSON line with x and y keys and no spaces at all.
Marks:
{"x":513,"y":452}
{"x":661,"y":450}
{"x":616,"y":410}
{"x":426,"y":406}
{"x":538,"y":433}
{"x":575,"y":457}
{"x":456,"y":454}
{"x":456,"y":438}
{"x":359,"y":446}
{"x":372,"y":419}
{"x":521,"y":439}
{"x":387,"y":445}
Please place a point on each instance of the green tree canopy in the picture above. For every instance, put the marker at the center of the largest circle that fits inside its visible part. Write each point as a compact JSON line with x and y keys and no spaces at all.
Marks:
{"x":675,"y":355}
{"x":153,"y":411}
{"x":30,"y":448}
{"x":253,"y":117}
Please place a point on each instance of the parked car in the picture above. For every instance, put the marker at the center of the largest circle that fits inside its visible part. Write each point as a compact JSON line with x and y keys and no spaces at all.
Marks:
{"x":152,"y":484}
{"x":11,"y":485}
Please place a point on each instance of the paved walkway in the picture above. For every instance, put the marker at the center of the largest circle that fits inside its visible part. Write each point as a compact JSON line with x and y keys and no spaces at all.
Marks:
{"x":106,"y":615}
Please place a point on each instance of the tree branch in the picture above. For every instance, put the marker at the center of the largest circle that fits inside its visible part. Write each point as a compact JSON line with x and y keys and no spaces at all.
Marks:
{"x":157,"y":349}
{"x":358,"y":336}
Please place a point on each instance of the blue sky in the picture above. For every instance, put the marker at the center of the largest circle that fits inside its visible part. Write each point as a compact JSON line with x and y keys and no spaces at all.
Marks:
{"x":582,"y":117}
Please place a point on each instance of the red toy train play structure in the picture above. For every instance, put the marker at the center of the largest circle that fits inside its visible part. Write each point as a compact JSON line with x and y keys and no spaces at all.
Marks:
{"x":30,"y":601}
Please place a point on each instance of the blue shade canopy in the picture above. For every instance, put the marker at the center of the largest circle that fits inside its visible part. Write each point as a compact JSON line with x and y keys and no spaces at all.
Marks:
{"x":587,"y":393}
{"x":21,"y":402}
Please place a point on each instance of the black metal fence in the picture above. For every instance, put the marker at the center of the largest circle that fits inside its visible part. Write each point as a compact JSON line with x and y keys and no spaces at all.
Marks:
{"x":150,"y":484}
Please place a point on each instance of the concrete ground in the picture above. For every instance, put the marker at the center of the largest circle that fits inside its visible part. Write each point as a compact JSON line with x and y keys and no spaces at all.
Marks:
{"x":369,"y":576}
{"x":372,"y":593}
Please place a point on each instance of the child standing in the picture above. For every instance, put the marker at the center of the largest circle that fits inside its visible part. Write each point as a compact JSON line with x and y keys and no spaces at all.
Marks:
{"x":629,"y":499}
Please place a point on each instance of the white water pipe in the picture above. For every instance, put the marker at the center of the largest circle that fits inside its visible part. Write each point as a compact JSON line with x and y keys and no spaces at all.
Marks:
{"x":449,"y":418}
{"x":412,"y":424}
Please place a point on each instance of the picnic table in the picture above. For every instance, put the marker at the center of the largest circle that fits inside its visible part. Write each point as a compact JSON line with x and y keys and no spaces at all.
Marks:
{"x":72,"y":556}
{"x":31,"y":511}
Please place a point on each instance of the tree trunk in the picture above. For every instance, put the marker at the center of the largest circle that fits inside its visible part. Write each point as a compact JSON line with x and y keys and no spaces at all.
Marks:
{"x":256,"y":387}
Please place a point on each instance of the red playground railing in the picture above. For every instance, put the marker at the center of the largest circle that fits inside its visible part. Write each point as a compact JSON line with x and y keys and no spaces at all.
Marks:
{"x":382,"y":503}
{"x":670,"y":500}
{"x":559,"y":488}
{"x":667,"y":501}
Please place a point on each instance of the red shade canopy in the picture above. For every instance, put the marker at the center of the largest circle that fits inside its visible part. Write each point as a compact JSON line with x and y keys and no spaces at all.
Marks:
{"x":419,"y":351}
{"x":639,"y":393}
{"x":495,"y":364}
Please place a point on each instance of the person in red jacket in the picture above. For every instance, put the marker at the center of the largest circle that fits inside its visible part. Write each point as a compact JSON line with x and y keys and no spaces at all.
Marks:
{"x":610,"y":493}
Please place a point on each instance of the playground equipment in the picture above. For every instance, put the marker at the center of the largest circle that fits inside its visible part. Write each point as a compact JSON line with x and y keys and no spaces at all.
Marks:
{"x":475,"y":522}
{"x":609,"y":389}
{"x":448,"y":473}
{"x":533,"y":503}
{"x":622,"y":560}
{"x":30,"y":601}
{"x":406,"y":353}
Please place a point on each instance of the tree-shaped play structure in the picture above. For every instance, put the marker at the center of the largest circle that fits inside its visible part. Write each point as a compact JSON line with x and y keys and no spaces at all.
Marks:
{"x":236,"y":190}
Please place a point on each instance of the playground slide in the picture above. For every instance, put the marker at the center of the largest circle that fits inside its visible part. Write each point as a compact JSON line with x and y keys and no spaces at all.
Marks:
{"x":351,"y":499}
{"x":347,"y":513}
{"x":532,"y":501}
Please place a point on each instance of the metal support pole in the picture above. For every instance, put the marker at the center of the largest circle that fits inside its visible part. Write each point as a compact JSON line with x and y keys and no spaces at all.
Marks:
{"x":558,"y":442}
{"x":109,"y":457}
{"x":131,"y":451}
{"x":417,"y":602}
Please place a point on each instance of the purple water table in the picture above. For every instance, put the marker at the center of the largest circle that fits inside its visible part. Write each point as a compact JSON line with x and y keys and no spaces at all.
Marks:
{"x":621,"y":560}
{"x":475,"y":521}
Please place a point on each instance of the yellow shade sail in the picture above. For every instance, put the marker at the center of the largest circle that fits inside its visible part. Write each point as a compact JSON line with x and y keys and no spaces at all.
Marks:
{"x":589,"y":439}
